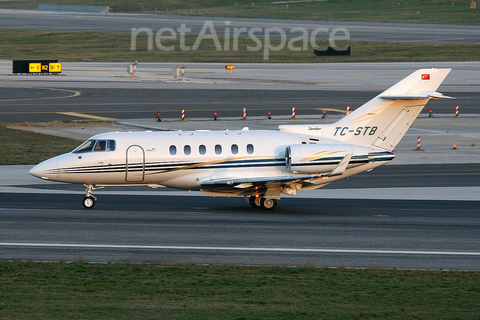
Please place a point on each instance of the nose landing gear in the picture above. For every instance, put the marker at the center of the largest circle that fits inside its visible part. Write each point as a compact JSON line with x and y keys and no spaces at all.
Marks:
{"x":89,"y":200}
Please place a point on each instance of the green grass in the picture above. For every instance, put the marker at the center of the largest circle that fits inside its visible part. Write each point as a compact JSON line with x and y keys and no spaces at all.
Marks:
{"x":115,"y":46}
{"x":25,"y":147}
{"x":32,"y":290}
{"x":423,"y":11}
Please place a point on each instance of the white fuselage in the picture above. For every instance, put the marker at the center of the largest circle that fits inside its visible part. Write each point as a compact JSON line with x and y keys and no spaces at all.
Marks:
{"x":185,"y":160}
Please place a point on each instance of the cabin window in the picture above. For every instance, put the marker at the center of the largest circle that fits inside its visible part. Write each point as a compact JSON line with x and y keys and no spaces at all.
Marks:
{"x":111,"y":145}
{"x":234,"y":149}
{"x":87,"y":146}
{"x":173,"y":150}
{"x":218,"y":149}
{"x":202,"y":149}
{"x":101,"y":145}
{"x":250,"y":148}
{"x":187,"y":150}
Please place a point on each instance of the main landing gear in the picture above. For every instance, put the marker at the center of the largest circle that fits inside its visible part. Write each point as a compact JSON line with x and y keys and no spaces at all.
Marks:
{"x":261,"y":202}
{"x":89,"y":200}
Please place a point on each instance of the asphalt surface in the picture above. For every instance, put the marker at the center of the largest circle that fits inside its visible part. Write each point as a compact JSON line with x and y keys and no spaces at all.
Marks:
{"x":321,"y":232}
{"x":116,"y":22}
{"x":46,"y":222}
{"x":40,"y":104}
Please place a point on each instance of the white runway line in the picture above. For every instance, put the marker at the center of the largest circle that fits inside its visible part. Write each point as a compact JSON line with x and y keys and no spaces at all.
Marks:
{"x":200,"y":248}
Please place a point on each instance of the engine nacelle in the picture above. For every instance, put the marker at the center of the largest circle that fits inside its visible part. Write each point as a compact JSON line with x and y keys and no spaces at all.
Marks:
{"x":322,"y":158}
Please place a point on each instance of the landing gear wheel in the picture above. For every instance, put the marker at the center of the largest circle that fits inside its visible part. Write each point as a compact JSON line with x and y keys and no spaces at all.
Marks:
{"x":268,"y":204}
{"x":255,"y":201}
{"x":88,"y":202}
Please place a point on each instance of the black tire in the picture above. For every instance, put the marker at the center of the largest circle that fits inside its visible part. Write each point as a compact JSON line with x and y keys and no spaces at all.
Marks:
{"x":268,"y":204}
{"x":88,"y":202}
{"x":254,"y":202}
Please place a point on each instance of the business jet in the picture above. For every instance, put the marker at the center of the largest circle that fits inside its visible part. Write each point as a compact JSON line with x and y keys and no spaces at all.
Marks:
{"x":260,"y":165}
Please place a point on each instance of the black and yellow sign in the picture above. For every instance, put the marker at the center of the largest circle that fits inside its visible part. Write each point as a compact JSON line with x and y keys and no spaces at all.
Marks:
{"x":36,"y":66}
{"x":39,"y":67}
{"x":54,"y":67}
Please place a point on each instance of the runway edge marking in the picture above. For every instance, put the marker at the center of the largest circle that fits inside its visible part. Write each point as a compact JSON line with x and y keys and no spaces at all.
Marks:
{"x":201,"y":248}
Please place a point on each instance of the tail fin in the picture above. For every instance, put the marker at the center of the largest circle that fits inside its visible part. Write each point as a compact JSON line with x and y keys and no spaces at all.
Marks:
{"x":384,"y":120}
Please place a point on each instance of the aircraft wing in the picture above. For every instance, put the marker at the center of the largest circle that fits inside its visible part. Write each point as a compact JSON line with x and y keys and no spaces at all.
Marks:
{"x":260,"y":181}
{"x":242,"y":183}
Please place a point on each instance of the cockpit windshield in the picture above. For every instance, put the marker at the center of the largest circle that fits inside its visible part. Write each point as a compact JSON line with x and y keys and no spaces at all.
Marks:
{"x":85,"y":147}
{"x":95,"y":145}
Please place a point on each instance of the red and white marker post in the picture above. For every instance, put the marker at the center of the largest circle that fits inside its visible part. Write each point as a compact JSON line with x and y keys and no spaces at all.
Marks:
{"x":457,"y":114}
{"x":244,"y":114}
{"x":348,"y":110}
{"x":293,"y":113}
{"x":183,"y":114}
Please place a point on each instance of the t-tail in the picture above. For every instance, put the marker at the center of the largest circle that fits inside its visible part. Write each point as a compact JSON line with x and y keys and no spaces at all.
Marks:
{"x":384,"y":120}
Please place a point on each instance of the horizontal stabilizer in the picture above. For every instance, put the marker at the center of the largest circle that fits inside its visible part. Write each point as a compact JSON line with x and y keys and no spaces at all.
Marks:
{"x":416,"y":96}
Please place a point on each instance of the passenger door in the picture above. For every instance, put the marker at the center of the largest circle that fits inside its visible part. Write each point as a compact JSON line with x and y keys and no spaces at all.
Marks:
{"x":135,"y":164}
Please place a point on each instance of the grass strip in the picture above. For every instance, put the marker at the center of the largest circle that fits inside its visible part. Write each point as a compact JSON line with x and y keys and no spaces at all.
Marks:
{"x":426,"y":11}
{"x":406,"y":11}
{"x":34,"y":290}
{"x":25,"y":147}
{"x":115,"y":46}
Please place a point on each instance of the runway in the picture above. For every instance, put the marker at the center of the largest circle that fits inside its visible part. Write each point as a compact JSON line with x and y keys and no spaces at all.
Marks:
{"x":387,"y":234}
{"x":141,"y":225}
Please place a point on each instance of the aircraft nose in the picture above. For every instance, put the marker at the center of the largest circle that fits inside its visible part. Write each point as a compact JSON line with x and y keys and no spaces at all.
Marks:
{"x":44,"y":170}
